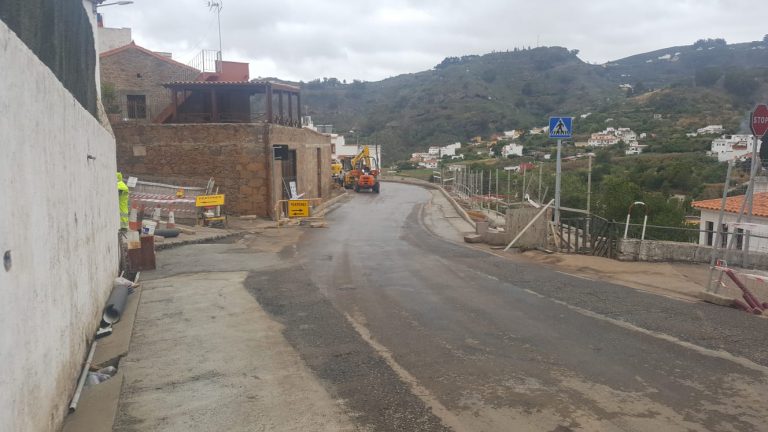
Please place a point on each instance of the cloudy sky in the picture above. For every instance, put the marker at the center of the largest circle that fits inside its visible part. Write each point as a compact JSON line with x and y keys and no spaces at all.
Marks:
{"x":372,"y":40}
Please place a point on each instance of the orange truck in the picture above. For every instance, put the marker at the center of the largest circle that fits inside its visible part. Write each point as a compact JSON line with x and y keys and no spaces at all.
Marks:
{"x":363,"y":173}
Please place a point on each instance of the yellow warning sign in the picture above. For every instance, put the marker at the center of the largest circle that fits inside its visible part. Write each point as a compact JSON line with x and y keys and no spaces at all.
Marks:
{"x":209,"y":200}
{"x":298,"y":208}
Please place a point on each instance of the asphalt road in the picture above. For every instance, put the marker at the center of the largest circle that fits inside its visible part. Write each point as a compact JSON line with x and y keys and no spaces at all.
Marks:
{"x":416,"y":333}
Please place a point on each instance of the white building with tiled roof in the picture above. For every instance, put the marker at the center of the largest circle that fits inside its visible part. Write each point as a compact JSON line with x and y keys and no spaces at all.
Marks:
{"x":758,"y":228}
{"x":730,"y":147}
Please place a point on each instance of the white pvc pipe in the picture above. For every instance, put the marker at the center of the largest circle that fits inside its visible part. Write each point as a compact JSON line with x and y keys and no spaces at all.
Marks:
{"x":645,"y":222}
{"x":83,"y":376}
{"x":626,"y":226}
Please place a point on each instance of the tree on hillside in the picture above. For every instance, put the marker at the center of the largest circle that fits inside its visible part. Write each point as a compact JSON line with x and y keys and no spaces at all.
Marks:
{"x":707,"y":43}
{"x":707,"y":77}
{"x":616,"y":195}
{"x":740,"y":83}
{"x":765,"y":38}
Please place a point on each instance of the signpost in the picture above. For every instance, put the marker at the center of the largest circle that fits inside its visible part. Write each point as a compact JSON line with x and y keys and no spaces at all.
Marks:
{"x":759,"y":120}
{"x":298,"y":208}
{"x":559,"y":128}
{"x":209,"y":200}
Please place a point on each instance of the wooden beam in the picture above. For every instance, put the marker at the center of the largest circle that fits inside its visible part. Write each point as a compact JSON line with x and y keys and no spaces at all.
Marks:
{"x":290,"y":107}
{"x":214,"y":107}
{"x":175,"y":105}
{"x":298,"y":106}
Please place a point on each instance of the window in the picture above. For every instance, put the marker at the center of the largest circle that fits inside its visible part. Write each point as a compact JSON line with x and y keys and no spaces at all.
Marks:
{"x":739,"y":238}
{"x":710,"y":228}
{"x":724,"y":236}
{"x":137,"y":106}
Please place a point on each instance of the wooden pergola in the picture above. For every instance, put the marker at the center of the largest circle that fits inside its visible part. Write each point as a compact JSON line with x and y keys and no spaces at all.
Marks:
{"x":181,"y":91}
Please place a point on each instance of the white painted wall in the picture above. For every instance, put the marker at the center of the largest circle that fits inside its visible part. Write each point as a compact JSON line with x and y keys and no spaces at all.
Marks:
{"x":354,"y":150}
{"x":755,"y":244}
{"x":111,"y":38}
{"x":59,"y":220}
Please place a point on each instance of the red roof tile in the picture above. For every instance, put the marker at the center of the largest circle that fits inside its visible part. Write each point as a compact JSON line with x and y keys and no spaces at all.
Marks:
{"x":733,"y":204}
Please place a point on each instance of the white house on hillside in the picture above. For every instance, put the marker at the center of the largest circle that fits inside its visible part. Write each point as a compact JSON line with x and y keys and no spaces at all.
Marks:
{"x":730,"y":147}
{"x":602,"y":140}
{"x":711,"y":129}
{"x":512,"y":150}
{"x":626,"y":135}
{"x":429,"y":163}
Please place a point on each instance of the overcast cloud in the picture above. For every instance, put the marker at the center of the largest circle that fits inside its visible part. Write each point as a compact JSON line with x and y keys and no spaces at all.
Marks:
{"x":372,"y":40}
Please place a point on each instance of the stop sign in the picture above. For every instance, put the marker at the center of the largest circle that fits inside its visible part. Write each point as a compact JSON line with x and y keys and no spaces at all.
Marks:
{"x":759,"y":120}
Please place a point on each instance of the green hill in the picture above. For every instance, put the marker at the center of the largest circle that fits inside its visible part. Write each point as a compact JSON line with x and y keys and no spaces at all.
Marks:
{"x":462,"y":97}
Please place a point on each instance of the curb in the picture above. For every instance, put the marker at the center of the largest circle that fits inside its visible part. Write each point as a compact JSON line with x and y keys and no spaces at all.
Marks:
{"x":415,"y":182}
{"x":162,"y":246}
{"x":330,"y":205}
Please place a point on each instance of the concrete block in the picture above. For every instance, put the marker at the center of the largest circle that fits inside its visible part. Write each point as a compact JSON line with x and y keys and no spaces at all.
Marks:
{"x":716,"y":298}
{"x":473,"y":238}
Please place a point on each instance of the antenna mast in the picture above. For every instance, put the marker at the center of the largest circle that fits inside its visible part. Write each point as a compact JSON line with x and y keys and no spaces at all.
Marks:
{"x":218,"y":5}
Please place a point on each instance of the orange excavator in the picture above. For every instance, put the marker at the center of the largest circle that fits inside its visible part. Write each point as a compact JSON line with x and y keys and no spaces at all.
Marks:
{"x":363,"y":172}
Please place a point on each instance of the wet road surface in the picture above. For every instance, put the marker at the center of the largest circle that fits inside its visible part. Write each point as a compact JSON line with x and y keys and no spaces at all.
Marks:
{"x":417,"y":333}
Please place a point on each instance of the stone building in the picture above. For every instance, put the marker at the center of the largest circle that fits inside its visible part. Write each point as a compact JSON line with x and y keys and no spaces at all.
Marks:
{"x":246,"y":135}
{"x":239,"y":156}
{"x":137,"y":75}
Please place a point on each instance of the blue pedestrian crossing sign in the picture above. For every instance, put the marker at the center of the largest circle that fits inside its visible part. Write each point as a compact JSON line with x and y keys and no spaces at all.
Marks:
{"x":560,"y":127}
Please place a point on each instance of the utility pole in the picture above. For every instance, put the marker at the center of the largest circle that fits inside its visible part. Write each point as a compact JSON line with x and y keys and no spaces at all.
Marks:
{"x":589,"y":200}
{"x":557,"y":181}
{"x":509,"y":181}
{"x":218,"y":5}
{"x":718,"y":240}
{"x":522,"y":197}
{"x":541,"y":167}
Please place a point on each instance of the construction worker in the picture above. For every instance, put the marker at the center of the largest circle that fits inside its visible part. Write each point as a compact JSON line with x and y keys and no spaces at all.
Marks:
{"x":122,"y":196}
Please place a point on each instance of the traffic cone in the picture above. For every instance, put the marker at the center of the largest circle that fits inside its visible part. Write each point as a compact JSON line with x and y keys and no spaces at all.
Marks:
{"x":171,"y":220}
{"x":133,"y":223}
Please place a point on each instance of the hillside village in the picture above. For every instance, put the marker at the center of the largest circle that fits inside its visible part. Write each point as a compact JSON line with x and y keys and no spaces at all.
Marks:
{"x":506,"y":146}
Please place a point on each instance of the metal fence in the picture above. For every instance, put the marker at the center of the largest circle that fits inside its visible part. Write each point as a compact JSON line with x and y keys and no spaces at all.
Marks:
{"x":492,"y":191}
{"x":179,"y":198}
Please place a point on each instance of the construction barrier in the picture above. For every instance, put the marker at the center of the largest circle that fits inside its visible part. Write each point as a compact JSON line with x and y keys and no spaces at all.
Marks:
{"x":296,"y":209}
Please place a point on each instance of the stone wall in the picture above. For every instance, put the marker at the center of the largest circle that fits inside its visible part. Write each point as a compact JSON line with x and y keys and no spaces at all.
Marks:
{"x":58,"y":229}
{"x":665,"y":251}
{"x":233,"y":154}
{"x":133,"y":71}
{"x":111,"y":38}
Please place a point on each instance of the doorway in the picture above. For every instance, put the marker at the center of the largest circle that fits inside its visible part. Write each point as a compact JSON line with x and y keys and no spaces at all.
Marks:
{"x":290,"y":182}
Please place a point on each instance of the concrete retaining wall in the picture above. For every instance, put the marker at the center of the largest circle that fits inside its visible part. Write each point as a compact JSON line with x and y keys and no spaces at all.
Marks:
{"x":656,"y":251}
{"x":58,"y":225}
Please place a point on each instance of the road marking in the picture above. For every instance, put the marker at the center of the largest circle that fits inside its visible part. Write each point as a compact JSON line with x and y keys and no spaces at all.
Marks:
{"x":574,"y":275}
{"x":438,"y":409}
{"x":719,"y":354}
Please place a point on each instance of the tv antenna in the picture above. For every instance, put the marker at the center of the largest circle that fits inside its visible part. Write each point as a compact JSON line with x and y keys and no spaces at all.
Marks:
{"x":217,"y":5}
